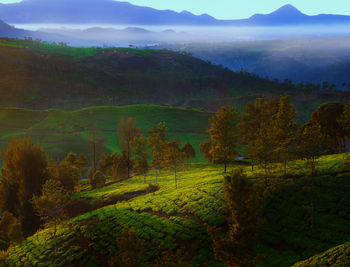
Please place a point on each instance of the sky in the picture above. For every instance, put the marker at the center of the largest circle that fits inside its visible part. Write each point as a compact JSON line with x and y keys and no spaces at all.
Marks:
{"x":237,"y":9}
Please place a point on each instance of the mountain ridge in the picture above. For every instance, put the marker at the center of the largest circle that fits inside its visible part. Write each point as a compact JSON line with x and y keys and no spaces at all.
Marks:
{"x":117,"y":12}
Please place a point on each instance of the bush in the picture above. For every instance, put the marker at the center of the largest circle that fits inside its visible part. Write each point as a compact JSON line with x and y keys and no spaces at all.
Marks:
{"x":152,"y":188}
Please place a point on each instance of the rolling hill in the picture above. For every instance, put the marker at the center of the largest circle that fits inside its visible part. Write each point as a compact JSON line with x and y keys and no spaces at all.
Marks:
{"x":60,"y":132}
{"x":40,"y":76}
{"x":43,"y":76}
{"x":173,"y":218}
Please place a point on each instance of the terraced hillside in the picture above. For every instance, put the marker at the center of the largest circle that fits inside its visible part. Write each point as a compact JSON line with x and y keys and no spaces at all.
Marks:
{"x":173,"y":218}
{"x":338,"y":256}
{"x":62,"y":131}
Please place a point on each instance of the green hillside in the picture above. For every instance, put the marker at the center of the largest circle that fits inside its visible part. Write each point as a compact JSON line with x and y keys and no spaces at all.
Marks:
{"x":43,"y":76}
{"x":338,"y":256}
{"x":62,"y":131}
{"x":176,"y":218}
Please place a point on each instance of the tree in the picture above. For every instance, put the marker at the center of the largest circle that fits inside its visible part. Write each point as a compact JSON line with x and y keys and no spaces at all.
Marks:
{"x":82,"y":163}
{"x":310,"y":145}
{"x":120,"y":167}
{"x":96,"y":140}
{"x":284,"y":130}
{"x":235,"y":242}
{"x":127,"y":132}
{"x":223,"y":135}
{"x":188,"y":151}
{"x":141,"y":167}
{"x":173,"y":157}
{"x":23,"y":173}
{"x":328,"y":117}
{"x":99,"y":180}
{"x":10,"y":228}
{"x":256,"y":134}
{"x":344,"y":121}
{"x":66,"y":172}
{"x":131,"y":250}
{"x":49,"y":205}
{"x":157,"y":141}
{"x":139,"y":145}
{"x":205,"y":148}
{"x":106,"y":163}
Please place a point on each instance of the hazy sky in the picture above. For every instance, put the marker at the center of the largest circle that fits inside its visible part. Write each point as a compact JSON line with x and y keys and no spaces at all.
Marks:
{"x":233,"y":9}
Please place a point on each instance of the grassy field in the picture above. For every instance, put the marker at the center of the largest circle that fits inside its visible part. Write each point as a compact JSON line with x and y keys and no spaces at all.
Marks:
{"x":172,"y":218}
{"x":62,"y":131}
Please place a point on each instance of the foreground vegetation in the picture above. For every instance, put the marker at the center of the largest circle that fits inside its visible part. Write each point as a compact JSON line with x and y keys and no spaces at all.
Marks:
{"x":285,"y":204}
{"x":175,"y":218}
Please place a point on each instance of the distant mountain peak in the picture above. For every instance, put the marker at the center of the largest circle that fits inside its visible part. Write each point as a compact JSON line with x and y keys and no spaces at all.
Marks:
{"x":288,"y":10}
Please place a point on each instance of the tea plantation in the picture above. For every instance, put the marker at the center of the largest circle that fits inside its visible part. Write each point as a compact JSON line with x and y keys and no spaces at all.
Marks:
{"x":172,"y":218}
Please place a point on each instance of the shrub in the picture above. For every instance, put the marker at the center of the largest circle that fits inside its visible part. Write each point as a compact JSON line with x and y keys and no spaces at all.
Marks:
{"x":152,"y":188}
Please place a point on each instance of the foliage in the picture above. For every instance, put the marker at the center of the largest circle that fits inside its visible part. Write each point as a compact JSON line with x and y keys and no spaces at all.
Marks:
{"x":223,"y":135}
{"x":189,"y":152}
{"x":205,"y":148}
{"x":10,"y":229}
{"x":131,"y":250}
{"x":157,"y":141}
{"x":285,"y":128}
{"x":243,"y":215}
{"x":173,"y":156}
{"x":23,"y":173}
{"x":169,"y":218}
{"x":120,"y":167}
{"x":128,"y":134}
{"x":328,"y":116}
{"x":50,"y":205}
{"x":337,"y":256}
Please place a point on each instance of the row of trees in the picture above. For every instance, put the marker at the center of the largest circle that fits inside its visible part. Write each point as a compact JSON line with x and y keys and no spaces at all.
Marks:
{"x":135,"y":153}
{"x":270,"y":133}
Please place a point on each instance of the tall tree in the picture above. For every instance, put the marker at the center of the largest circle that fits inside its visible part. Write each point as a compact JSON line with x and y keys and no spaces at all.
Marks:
{"x":157,"y":141}
{"x":223,"y":135}
{"x":96,"y":140}
{"x":82,"y":164}
{"x":127,"y":132}
{"x":284,"y":130}
{"x":49,"y":205}
{"x":189,"y":152}
{"x":106,"y":163}
{"x":205,"y":148}
{"x":344,"y":122}
{"x":120,"y":167}
{"x":140,"y":151}
{"x":23,"y":173}
{"x":328,"y":117}
{"x":235,"y":244}
{"x":173,"y":157}
{"x":310,"y":145}
{"x":256,"y":132}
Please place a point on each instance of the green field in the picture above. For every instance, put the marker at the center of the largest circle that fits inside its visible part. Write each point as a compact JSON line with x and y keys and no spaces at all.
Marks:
{"x":171,"y":218}
{"x":62,"y":131}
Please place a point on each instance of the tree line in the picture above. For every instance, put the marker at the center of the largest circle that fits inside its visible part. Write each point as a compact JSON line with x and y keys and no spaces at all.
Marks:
{"x":269,"y":133}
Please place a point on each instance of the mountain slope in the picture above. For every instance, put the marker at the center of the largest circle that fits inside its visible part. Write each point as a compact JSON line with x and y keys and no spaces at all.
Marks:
{"x":115,"y":12}
{"x":40,"y":75}
{"x":94,"y":11}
